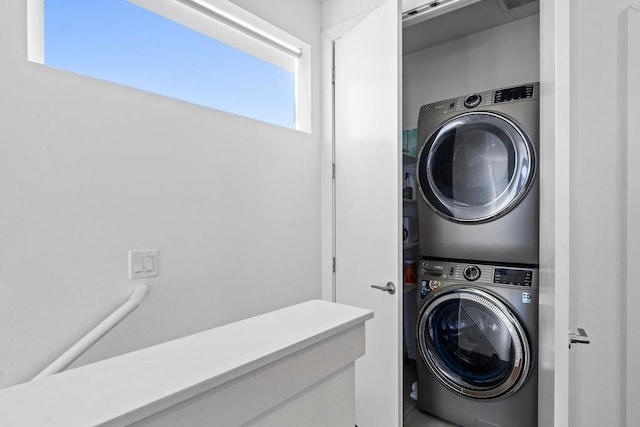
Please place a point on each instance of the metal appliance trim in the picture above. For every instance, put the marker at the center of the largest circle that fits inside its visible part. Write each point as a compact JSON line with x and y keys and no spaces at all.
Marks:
{"x":449,"y":205}
{"x":522,"y":347}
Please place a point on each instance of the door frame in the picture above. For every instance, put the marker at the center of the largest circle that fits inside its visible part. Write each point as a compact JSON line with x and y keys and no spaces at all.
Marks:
{"x":632,"y":246}
{"x":555,"y":195}
{"x":555,"y":405}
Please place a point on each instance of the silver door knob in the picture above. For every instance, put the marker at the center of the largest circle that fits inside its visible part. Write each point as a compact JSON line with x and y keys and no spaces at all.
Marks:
{"x":391,"y":288}
{"x":580,"y":338}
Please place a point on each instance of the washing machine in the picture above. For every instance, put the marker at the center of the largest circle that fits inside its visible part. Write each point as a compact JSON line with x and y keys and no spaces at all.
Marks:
{"x":477,"y":336}
{"x":477,"y":177}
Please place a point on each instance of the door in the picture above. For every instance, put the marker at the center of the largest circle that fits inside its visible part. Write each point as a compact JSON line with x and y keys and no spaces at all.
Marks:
{"x":476,"y":167}
{"x":473,"y":344}
{"x":368,"y":204}
{"x":578,"y":65}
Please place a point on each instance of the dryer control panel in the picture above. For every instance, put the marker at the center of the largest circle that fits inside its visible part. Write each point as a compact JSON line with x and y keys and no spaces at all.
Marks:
{"x":483,"y":99}
{"x":510,"y":94}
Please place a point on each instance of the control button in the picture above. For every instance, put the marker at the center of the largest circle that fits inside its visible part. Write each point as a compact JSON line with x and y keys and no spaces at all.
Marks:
{"x":452,"y":105}
{"x":432,"y":272}
{"x":451,"y":271}
{"x":434,"y":284}
{"x":471,"y":273}
{"x":472,"y":100}
{"x":424,"y":289}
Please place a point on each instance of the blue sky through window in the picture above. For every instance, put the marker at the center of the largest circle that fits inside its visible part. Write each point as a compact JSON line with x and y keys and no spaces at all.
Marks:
{"x":120,"y":42}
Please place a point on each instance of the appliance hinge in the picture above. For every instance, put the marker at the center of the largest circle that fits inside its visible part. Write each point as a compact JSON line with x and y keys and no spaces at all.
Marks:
{"x":334,"y":264}
{"x":333,"y":62}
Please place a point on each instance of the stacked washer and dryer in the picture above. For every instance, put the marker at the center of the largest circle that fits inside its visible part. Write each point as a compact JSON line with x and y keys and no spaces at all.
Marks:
{"x":477,"y":327}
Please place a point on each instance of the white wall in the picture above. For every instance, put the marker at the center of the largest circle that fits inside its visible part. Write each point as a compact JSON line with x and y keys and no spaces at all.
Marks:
{"x":497,"y":57}
{"x":89,"y":170}
{"x":336,"y":12}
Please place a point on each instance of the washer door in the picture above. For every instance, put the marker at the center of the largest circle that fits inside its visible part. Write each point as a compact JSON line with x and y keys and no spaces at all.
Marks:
{"x":472,"y":343}
{"x":476,"y":167}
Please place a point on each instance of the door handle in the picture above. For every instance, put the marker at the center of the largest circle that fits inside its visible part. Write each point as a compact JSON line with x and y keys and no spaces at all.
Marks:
{"x":580,"y":338}
{"x":391,"y":288}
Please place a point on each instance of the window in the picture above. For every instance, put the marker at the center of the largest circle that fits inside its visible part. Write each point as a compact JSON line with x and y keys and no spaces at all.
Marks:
{"x":208,"y":52}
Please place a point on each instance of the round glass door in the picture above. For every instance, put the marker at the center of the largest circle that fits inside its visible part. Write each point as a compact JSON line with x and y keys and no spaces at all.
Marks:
{"x":475,"y":167}
{"x":473,"y":344}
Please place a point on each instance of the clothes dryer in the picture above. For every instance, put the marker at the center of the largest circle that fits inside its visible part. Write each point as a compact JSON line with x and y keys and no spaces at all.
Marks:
{"x":477,"y":335}
{"x":477,"y":177}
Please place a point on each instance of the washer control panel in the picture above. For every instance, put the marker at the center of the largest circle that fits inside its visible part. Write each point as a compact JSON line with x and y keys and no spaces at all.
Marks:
{"x":433,"y":274}
{"x":510,"y":276}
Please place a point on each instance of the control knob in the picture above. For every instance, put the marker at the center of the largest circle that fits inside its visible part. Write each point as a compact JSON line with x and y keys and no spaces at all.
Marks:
{"x":471,"y":273}
{"x":472,"y":100}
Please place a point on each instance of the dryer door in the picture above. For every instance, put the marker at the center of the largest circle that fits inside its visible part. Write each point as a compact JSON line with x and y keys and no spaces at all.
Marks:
{"x":472,"y":343}
{"x":476,"y":167}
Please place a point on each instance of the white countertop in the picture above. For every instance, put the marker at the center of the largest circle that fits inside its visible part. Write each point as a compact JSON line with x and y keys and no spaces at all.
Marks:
{"x":158,"y":377}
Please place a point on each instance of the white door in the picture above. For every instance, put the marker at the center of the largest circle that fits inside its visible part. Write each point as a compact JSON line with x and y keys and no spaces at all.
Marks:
{"x":589,"y":165}
{"x":368,"y":204}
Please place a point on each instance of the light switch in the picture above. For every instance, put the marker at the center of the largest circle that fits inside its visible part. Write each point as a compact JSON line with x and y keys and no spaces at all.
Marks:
{"x":149,"y":263}
{"x":143,"y":263}
{"x":137,"y":265}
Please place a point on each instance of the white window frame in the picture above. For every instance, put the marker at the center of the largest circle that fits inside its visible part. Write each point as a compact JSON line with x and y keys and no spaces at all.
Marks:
{"x":224,"y":21}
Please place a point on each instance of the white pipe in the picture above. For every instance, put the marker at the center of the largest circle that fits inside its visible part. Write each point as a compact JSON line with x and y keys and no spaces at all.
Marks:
{"x":96,"y":333}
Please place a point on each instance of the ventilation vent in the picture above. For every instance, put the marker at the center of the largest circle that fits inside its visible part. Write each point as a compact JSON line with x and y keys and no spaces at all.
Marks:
{"x":512,"y":4}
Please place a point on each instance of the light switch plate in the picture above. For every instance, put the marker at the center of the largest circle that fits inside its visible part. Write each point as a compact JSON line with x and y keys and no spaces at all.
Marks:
{"x":143,"y":263}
